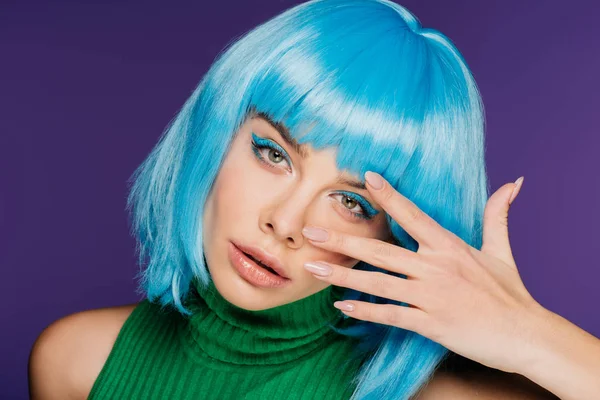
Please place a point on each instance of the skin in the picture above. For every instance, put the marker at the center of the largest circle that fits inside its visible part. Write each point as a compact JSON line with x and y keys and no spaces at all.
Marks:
{"x":277,"y":203}
{"x":267,"y":206}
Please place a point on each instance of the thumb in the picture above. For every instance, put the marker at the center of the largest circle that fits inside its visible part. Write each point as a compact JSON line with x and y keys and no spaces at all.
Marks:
{"x":495,"y":222}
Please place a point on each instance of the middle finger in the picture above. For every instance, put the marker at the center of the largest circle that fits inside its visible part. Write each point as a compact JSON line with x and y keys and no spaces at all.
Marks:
{"x":372,"y":251}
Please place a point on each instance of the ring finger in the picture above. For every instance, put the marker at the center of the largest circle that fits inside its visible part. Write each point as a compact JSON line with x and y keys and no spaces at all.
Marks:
{"x":375,"y":283}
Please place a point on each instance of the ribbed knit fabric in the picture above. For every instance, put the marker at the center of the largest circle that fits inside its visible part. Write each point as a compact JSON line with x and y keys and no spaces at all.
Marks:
{"x":226,"y":352}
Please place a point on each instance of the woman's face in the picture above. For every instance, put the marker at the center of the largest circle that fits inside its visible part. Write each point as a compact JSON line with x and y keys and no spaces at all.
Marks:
{"x":264,"y":198}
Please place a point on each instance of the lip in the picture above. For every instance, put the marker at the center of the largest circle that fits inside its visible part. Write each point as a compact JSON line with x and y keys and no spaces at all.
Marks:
{"x":264,"y":257}
{"x":252,"y":272}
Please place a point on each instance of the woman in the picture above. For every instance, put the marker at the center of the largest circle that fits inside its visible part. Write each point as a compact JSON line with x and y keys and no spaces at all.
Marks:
{"x":273,"y":146}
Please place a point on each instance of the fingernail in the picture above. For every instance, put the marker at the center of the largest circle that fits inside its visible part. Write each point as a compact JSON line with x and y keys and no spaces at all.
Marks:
{"x":316,"y":234}
{"x":516,"y":190}
{"x":374,"y":180}
{"x":318,"y":268}
{"x":343,"y":306}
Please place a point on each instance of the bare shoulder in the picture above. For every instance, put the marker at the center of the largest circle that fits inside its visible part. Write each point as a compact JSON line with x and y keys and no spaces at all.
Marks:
{"x":490,"y":384}
{"x":68,"y":355}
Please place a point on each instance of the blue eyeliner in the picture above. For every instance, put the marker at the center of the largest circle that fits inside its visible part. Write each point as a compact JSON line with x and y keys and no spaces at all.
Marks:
{"x":370,"y":212}
{"x":259,"y":143}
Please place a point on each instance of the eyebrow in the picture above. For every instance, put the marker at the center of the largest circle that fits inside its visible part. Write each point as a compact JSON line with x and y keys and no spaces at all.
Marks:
{"x":284,"y":132}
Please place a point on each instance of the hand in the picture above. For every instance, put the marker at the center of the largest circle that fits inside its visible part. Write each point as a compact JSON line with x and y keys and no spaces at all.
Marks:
{"x":472,"y":302}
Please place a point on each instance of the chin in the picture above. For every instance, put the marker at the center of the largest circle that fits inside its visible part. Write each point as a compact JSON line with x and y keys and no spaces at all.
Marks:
{"x":244,"y":295}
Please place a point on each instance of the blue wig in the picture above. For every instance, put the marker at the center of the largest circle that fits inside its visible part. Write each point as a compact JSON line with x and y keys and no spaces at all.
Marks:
{"x":391,"y":96}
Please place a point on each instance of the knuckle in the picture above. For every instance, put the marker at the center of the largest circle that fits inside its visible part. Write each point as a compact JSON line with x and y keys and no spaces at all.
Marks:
{"x":502,"y":220}
{"x":439,"y":268}
{"x":455,"y":273}
{"x":452,"y":274}
{"x":340,"y":241}
{"x":413,"y":322}
{"x":415,"y":214}
{"x":381,"y":251}
{"x":381,"y":284}
{"x":342,"y":276}
{"x":457,"y":246}
{"x":387,"y":193}
{"x":392,"y":315}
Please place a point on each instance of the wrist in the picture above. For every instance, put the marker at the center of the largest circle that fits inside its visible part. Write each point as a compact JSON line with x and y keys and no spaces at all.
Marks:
{"x":537,"y":340}
{"x":562,"y":357}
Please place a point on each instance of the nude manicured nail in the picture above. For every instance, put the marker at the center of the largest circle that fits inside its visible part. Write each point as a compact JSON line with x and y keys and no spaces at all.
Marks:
{"x":316,"y":234}
{"x":516,"y":190}
{"x":318,"y":268}
{"x":374,"y":180}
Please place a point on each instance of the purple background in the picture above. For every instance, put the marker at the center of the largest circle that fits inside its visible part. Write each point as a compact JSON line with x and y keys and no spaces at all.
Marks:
{"x":86,"y":90}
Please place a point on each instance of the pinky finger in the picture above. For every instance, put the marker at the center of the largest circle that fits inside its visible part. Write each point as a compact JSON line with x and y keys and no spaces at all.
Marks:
{"x":410,"y":318}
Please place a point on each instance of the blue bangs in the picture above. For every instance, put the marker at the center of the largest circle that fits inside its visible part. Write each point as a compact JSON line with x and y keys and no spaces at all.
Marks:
{"x":389,"y":100}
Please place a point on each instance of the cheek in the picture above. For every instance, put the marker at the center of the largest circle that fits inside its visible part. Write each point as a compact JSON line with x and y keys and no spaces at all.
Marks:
{"x":236,"y":194}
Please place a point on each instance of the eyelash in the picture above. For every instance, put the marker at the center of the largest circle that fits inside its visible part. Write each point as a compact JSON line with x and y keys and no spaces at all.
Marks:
{"x":258,"y":144}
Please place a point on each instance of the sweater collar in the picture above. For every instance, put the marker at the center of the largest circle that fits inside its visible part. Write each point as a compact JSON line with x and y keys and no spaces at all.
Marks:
{"x":220,"y":332}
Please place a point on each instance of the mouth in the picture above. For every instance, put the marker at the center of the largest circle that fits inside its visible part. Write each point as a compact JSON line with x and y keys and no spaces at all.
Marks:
{"x":262,"y":265}
{"x":264,"y":259}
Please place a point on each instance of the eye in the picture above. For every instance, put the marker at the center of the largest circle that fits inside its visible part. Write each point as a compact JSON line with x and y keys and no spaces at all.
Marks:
{"x":352,"y":201}
{"x":275,"y":153}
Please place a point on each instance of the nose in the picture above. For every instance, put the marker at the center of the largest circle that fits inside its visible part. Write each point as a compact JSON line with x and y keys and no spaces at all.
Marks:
{"x":285,"y":220}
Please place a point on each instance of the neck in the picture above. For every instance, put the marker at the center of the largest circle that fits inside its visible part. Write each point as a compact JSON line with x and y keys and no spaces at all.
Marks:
{"x":222,"y":331}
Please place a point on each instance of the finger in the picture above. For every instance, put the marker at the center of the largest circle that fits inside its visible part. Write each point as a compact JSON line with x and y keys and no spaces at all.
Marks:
{"x":424,"y":229}
{"x":375,"y":283}
{"x":389,"y":314}
{"x":495,"y":223}
{"x":372,"y":251}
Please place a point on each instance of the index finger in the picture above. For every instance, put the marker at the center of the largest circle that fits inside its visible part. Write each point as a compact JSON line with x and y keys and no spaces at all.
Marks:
{"x":419,"y":225}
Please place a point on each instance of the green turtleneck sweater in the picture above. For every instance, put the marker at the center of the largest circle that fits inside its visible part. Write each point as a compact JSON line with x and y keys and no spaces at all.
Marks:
{"x":225,"y":352}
